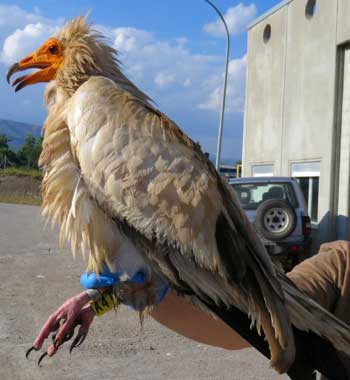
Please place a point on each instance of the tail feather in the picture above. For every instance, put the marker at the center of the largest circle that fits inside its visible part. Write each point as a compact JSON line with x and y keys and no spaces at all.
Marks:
{"x":313,"y":352}
{"x":307,"y":315}
{"x":276,"y":325}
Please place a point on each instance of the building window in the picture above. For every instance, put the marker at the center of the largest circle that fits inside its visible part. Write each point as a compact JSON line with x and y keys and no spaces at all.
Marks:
{"x":267,"y":33}
{"x":228,"y":171}
{"x":310,"y":9}
{"x":262,"y":170}
{"x":308,"y":176}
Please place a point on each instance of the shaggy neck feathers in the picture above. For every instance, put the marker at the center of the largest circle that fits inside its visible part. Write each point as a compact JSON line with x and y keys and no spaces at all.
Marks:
{"x":87,"y":54}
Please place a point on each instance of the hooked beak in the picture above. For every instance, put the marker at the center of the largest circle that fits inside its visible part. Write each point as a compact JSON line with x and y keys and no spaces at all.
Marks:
{"x":42,"y":59}
{"x":43,"y":75}
{"x":13,"y":69}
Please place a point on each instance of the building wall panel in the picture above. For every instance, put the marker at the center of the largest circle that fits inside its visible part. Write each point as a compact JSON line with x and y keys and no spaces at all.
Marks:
{"x":344,"y":162}
{"x":309,"y":93}
{"x":265,"y":83}
{"x":343,"y":34}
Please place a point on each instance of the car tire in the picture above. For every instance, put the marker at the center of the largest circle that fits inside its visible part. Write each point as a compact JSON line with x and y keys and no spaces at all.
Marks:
{"x":275,"y":219}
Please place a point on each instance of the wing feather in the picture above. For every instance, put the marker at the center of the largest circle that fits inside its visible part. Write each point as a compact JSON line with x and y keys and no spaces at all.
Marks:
{"x":152,"y":175}
{"x":163,"y":193}
{"x":159,"y":186}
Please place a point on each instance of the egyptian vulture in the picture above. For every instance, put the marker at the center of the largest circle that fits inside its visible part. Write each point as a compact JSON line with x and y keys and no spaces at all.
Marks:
{"x":129,"y":189}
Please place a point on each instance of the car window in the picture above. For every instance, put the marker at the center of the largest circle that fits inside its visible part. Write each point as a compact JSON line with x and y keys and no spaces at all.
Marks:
{"x":251,"y":195}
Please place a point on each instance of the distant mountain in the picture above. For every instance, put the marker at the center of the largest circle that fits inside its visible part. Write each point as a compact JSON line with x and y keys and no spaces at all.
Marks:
{"x":17,"y":131}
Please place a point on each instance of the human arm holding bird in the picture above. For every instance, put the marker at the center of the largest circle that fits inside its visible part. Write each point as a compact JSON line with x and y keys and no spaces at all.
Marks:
{"x":324,"y":277}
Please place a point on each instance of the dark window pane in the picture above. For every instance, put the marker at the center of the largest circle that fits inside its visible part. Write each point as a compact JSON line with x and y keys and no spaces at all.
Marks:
{"x":314,"y":206}
{"x":304,"y":185}
{"x":253,"y":194}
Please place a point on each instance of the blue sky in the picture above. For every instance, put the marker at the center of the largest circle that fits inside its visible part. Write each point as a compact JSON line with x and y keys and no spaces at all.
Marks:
{"x":173,"y":50}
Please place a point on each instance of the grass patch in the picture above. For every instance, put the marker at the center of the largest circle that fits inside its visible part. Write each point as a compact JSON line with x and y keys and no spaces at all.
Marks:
{"x":21,"y":172}
{"x":20,"y":185}
{"x":20,"y":199}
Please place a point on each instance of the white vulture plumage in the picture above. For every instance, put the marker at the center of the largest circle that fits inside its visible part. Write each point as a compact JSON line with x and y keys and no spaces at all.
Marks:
{"x":129,"y":189}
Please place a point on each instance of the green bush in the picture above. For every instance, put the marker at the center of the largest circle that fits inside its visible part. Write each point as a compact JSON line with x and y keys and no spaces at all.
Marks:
{"x":26,"y":157}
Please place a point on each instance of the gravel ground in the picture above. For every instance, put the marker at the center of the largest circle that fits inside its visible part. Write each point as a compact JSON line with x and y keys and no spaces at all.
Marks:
{"x":37,"y":276}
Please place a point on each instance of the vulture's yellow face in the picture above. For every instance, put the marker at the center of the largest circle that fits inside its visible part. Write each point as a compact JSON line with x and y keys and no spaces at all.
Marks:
{"x":48,"y":58}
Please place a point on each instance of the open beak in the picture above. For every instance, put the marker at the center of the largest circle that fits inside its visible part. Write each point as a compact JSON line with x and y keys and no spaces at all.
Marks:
{"x":47,"y":65}
{"x":13,"y":69}
{"x":37,"y":77}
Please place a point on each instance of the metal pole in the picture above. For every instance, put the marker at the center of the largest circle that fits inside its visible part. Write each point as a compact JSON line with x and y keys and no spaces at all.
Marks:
{"x":222,"y":114}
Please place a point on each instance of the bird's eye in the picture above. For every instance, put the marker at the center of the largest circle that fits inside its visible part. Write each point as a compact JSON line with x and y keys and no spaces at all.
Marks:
{"x":53,"y":49}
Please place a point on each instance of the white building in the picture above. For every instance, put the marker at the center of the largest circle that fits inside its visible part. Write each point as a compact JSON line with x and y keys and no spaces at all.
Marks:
{"x":297,"y":116}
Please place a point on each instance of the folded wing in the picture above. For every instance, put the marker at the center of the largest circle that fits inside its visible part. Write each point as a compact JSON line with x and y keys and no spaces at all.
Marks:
{"x":165,"y":195}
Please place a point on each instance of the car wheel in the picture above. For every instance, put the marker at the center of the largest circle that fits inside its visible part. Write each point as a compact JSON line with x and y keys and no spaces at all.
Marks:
{"x":275,"y":219}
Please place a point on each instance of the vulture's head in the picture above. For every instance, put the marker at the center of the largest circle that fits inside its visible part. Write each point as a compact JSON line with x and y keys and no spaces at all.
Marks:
{"x":70,"y":57}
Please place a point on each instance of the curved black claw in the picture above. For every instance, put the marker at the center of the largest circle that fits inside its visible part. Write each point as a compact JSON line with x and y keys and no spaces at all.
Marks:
{"x":41,"y":358}
{"x":29,"y":351}
{"x":67,"y":337}
{"x":79,"y":339}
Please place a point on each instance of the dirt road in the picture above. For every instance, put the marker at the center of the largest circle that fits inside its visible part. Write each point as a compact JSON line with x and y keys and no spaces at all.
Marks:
{"x":37,"y":276}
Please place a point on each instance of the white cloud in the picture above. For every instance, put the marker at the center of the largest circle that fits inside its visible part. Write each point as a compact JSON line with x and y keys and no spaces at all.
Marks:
{"x":185,"y":85}
{"x":158,"y":65}
{"x":235,"y":88}
{"x":128,"y":39}
{"x":237,"y":19}
{"x":14,"y":17}
{"x":182,"y":41}
{"x":187,"y":82}
{"x":154,"y":65}
{"x":22,"y":41}
{"x":161,"y":63}
{"x":164,"y":79}
{"x":21,"y":32}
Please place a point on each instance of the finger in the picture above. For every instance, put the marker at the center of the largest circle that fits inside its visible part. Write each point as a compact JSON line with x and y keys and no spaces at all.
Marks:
{"x":86,"y":317}
{"x":34,"y":348}
{"x":68,"y":310}
{"x":50,"y":324}
{"x":66,"y":331}
{"x":53,"y":348}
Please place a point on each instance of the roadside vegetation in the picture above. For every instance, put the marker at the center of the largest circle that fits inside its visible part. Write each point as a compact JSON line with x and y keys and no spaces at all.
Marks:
{"x":20,"y":177}
{"x":21,"y":172}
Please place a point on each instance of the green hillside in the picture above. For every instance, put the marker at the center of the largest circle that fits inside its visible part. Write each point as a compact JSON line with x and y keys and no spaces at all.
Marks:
{"x":17,"y":131}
